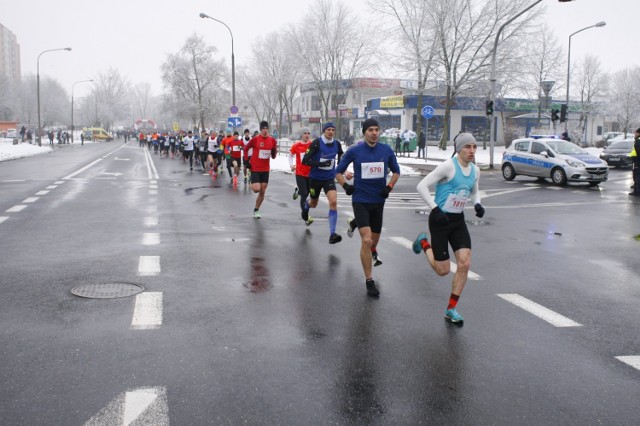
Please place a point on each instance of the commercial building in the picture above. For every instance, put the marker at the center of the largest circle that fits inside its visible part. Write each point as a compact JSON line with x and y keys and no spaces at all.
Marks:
{"x":9,"y":55}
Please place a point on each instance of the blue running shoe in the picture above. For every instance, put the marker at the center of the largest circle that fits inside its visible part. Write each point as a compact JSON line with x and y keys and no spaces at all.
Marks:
{"x":417,"y":244}
{"x":453,"y":316}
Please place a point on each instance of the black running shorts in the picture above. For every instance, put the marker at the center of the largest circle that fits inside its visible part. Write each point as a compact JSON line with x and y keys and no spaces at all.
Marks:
{"x":454,"y":233}
{"x":259,"y":177}
{"x":369,"y":215}
{"x":316,"y":186}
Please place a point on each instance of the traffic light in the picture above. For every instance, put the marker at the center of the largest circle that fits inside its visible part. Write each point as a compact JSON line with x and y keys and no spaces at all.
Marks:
{"x":554,"y":115}
{"x":563,"y":113}
{"x":489,"y":108}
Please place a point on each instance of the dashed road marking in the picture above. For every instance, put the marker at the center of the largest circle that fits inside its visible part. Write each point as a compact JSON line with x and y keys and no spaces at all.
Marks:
{"x":31,"y":200}
{"x":153,"y":192}
{"x":409,"y":244}
{"x":59,"y":182}
{"x":147,"y":312}
{"x":51,"y":187}
{"x":540,"y":311}
{"x":3,"y":218}
{"x":135,"y":406}
{"x":151,"y":239}
{"x":150,"y":221}
{"x":16,"y":209}
{"x":149,"y":266}
{"x":42,"y":192}
{"x":633,"y":361}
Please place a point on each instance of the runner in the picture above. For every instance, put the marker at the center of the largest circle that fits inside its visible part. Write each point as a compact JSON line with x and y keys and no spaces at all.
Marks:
{"x":212,"y":148}
{"x":188,"y":148}
{"x":236,"y":147}
{"x":321,"y":156}
{"x":302,"y":172}
{"x":265,"y":148}
{"x":455,"y":181}
{"x":246,"y":160}
{"x":172,"y":144}
{"x":202,"y":150}
{"x":372,"y":162}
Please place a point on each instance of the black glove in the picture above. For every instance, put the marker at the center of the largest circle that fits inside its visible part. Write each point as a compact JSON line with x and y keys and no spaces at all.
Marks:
{"x":348,"y":188}
{"x":439,"y":216}
{"x":385,"y":192}
{"x":324,"y":163}
{"x":479,"y":210}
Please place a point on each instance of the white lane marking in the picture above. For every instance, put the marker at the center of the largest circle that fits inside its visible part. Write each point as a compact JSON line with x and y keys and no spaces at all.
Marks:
{"x":51,"y":187}
{"x":154,"y":186}
{"x":150,"y":221}
{"x":122,"y":159}
{"x":77,"y":172}
{"x":150,"y":239}
{"x":633,"y":361}
{"x":139,"y":406}
{"x":16,"y":209}
{"x":540,"y":311}
{"x":31,"y":200}
{"x":151,"y":167}
{"x":149,"y":266}
{"x":153,"y":182}
{"x":3,"y":218}
{"x":111,"y":174}
{"x":59,"y":182}
{"x":409,"y":244}
{"x":42,"y":193}
{"x":153,"y":192}
{"x":13,"y":180}
{"x":147,"y":313}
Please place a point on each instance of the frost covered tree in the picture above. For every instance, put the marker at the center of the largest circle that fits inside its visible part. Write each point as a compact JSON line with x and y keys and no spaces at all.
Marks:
{"x":140,"y":98}
{"x":195,"y":82}
{"x":624,"y":102}
{"x":591,"y":86}
{"x":110,"y":91}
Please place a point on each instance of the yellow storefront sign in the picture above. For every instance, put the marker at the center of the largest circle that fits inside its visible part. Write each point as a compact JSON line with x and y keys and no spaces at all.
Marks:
{"x":392,"y":102}
{"x":176,"y":127}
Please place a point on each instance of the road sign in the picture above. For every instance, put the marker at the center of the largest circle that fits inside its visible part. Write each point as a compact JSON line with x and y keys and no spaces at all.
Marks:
{"x":428,"y":112}
{"x":234,"y":122}
{"x":233,"y":109}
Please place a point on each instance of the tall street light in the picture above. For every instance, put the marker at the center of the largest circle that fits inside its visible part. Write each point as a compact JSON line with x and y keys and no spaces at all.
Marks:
{"x":233,"y":63}
{"x":598,"y":25}
{"x":68,"y":49}
{"x":72,"y":87}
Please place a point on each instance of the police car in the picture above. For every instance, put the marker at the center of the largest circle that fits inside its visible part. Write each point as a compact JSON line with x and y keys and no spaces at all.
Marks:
{"x":557,"y":159}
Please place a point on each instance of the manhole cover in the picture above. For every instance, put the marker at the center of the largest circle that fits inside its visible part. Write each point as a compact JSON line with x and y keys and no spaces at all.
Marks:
{"x":107,"y":291}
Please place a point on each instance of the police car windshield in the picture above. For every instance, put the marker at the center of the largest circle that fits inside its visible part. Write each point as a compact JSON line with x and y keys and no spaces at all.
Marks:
{"x":564,"y":147}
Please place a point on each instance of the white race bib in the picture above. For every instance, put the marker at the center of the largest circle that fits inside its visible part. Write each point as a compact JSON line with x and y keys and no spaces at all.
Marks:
{"x":372,"y":170}
{"x":455,"y":203}
{"x":236,"y":148}
{"x":329,"y":167}
{"x":263,"y":154}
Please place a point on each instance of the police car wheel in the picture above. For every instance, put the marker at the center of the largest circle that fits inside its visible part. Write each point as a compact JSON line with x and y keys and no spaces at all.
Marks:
{"x":558,"y":176}
{"x":508,"y":172}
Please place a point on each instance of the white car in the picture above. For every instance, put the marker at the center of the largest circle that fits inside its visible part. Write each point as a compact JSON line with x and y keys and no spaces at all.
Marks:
{"x":556,"y":159}
{"x":12,"y":133}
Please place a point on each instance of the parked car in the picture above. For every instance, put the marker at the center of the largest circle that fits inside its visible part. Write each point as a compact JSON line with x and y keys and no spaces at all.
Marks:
{"x":97,"y":133}
{"x":556,"y":159}
{"x":12,"y":133}
{"x":617,"y":154}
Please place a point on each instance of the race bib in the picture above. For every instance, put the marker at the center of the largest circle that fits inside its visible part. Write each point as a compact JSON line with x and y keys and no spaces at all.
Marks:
{"x":372,"y":170}
{"x":263,"y":154}
{"x":329,"y":167}
{"x":455,"y":203}
{"x":236,"y":148}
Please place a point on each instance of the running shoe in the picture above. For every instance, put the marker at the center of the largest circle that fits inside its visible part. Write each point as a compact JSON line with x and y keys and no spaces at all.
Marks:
{"x":376,"y":259}
{"x":304,"y":214}
{"x":350,"y":228}
{"x":256,"y":214}
{"x":372,"y":290}
{"x":334,"y":238}
{"x":417,"y":244}
{"x":309,"y":221}
{"x":295,"y":193}
{"x":453,"y":316}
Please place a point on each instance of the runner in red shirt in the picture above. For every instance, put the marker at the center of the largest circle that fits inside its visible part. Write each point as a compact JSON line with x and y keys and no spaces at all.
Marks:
{"x":236,"y":146}
{"x":302,"y":172}
{"x":264,"y":147}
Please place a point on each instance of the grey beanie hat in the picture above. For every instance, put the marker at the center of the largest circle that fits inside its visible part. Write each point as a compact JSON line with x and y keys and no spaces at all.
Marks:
{"x":463,"y":139}
{"x":304,"y":130}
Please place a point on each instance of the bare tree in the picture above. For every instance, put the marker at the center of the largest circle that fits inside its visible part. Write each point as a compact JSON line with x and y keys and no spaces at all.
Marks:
{"x":111,"y":90}
{"x":140,"y":94}
{"x":625,"y":105}
{"x":195,"y":81}
{"x":591,"y":84}
{"x":332,"y":47}
{"x":415,"y":38}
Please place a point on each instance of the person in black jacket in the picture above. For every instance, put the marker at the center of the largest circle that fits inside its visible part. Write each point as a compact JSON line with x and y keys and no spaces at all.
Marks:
{"x":636,"y":164}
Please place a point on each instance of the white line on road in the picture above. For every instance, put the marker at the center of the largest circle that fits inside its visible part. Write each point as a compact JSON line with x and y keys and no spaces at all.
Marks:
{"x":31,"y":200}
{"x":147,"y":313}
{"x":409,"y":244}
{"x":150,"y":221}
{"x":633,"y":361}
{"x":153,"y":192}
{"x":150,"y":239}
{"x":149,"y":266}
{"x":42,"y":193}
{"x":16,"y":209}
{"x":137,"y":406}
{"x":77,"y":172}
{"x":3,"y":218}
{"x":151,"y":168}
{"x":540,"y":311}
{"x":59,"y":182}
{"x":51,"y":187}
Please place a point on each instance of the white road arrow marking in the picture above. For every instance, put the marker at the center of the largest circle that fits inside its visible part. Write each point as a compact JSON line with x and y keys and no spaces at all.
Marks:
{"x":111,"y":174}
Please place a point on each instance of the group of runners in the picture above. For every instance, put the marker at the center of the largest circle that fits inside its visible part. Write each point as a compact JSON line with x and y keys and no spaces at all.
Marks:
{"x":320,"y":163}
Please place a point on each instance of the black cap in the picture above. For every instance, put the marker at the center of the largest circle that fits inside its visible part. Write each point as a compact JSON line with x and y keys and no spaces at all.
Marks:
{"x":264,"y":125}
{"x":369,"y":122}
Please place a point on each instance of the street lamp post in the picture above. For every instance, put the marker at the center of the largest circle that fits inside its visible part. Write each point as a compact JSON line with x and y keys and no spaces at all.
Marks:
{"x":233,"y":64}
{"x":38,"y":132}
{"x":72,"y":87}
{"x":598,"y":25}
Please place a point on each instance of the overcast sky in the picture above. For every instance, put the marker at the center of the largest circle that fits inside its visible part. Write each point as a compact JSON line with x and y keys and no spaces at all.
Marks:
{"x":134,"y":36}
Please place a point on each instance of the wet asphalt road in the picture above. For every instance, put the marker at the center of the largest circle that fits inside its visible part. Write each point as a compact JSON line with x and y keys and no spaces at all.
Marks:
{"x":264,"y":322}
